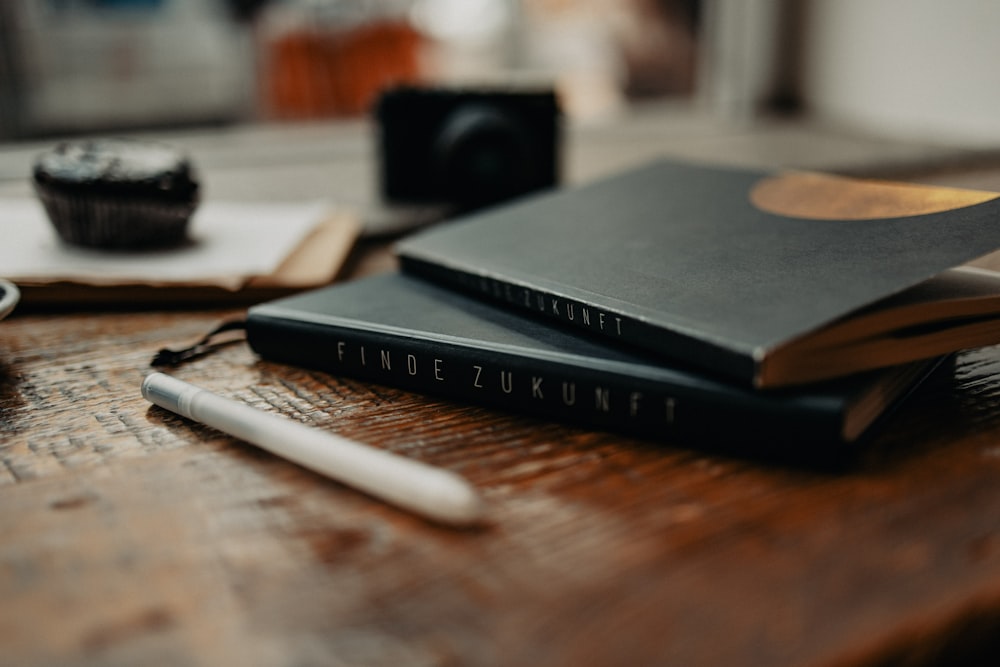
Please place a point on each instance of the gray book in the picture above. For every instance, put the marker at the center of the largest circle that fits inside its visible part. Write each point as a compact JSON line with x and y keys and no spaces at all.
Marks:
{"x":769,"y":279}
{"x":400,"y":331}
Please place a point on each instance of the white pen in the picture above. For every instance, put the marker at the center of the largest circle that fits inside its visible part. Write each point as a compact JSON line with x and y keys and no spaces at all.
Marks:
{"x":432,"y":492}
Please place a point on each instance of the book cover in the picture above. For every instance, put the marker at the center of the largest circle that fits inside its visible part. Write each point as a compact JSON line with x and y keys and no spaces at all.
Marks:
{"x":731,"y":270}
{"x":400,"y":331}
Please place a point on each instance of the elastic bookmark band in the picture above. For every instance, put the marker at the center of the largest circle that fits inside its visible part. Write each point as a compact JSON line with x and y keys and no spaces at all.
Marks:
{"x":168,"y":357}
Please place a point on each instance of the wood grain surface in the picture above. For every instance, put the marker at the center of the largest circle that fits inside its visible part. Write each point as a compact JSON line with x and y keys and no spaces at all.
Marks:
{"x":133,"y":536}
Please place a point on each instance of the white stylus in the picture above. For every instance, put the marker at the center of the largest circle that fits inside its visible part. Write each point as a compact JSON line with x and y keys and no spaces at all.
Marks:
{"x":432,"y":492}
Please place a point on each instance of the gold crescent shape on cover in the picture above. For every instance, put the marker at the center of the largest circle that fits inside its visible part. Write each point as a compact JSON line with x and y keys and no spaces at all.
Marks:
{"x":814,"y":196}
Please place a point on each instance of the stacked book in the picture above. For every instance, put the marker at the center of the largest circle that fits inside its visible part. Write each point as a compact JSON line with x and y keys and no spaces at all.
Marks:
{"x":775,"y":312}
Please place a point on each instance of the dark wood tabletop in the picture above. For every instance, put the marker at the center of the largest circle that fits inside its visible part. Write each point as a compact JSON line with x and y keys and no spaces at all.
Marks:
{"x":129,"y":535}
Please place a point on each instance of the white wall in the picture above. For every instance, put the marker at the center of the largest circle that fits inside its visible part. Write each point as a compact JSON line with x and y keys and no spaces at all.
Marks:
{"x":922,"y":69}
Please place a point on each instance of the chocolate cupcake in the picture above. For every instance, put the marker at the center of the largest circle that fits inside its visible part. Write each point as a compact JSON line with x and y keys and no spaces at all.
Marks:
{"x":117,"y":193}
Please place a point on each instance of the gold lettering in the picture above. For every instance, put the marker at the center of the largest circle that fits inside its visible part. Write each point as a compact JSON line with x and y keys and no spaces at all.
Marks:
{"x":569,"y":393}
{"x":602,"y":399}
{"x":633,"y":403}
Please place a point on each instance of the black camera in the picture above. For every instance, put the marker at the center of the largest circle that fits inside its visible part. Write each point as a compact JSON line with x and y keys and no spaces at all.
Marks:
{"x":466,"y":148}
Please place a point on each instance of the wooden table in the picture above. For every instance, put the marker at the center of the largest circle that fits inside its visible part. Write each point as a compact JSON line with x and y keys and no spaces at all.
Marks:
{"x":129,"y":535}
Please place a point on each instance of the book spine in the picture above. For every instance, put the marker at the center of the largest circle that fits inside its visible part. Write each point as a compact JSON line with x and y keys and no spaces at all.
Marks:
{"x":550,"y":389}
{"x":602,"y":322}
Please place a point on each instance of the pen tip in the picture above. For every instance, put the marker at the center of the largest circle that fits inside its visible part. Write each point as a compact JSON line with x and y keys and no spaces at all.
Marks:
{"x":460,"y":504}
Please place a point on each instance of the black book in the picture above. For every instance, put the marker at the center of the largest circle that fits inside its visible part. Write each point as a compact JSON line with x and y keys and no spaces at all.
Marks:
{"x":770,"y":279}
{"x":400,"y":331}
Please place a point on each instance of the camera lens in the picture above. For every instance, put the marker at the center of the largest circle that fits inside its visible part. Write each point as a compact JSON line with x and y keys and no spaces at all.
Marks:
{"x":481,"y":156}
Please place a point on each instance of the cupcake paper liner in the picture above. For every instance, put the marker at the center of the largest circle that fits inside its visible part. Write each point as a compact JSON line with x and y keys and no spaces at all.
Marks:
{"x":106,"y":222}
